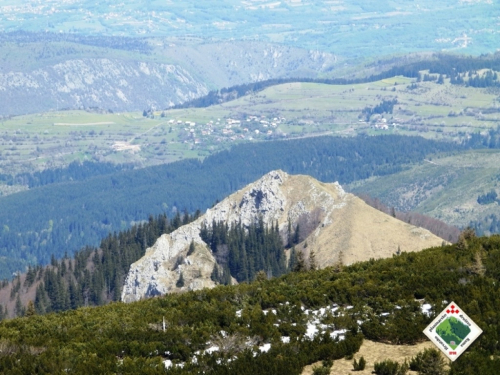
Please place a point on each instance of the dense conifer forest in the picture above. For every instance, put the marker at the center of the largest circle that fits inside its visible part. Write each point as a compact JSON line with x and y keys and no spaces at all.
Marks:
{"x":243,"y":252}
{"x":64,"y":217}
{"x":75,"y":171}
{"x":377,"y":300}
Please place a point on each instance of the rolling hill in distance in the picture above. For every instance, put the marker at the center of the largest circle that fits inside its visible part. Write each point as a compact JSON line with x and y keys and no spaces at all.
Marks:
{"x":447,"y":188}
{"x":282,"y":111}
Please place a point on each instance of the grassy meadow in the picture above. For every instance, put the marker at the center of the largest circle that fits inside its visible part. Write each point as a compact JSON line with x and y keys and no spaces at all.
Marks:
{"x":291,"y":110}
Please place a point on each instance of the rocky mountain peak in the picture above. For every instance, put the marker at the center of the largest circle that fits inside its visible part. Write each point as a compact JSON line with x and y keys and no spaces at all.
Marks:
{"x":337,"y":226}
{"x":263,"y":198}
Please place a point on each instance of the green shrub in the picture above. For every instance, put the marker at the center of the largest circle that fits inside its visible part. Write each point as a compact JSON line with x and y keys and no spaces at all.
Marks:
{"x":324,"y":369}
{"x":321,"y":370}
{"x":359,"y":366}
{"x":428,"y":362}
{"x":389,"y":367}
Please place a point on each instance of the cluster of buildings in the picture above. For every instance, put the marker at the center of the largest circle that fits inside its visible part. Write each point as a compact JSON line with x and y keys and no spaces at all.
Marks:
{"x":228,"y":129}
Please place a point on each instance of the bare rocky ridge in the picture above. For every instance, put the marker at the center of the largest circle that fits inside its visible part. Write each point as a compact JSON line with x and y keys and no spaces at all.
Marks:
{"x":339,"y":227}
{"x":127,"y":81}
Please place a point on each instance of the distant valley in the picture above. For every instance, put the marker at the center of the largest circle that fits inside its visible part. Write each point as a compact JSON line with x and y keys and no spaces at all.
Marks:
{"x":72,"y":214}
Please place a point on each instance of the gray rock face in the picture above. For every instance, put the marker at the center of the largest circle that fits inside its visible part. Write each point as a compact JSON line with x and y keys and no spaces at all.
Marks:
{"x":262,"y":198}
{"x":133,"y":81}
{"x":102,"y":83}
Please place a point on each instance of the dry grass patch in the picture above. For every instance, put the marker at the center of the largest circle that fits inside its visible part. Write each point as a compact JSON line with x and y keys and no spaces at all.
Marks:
{"x":373,"y":352}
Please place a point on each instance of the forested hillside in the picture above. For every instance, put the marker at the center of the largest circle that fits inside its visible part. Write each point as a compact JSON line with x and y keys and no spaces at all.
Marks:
{"x":94,"y":276}
{"x":265,"y":327}
{"x":61,"y":218}
{"x":75,"y":171}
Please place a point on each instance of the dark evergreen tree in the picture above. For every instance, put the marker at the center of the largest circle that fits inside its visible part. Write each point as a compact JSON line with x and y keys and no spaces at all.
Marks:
{"x":293,"y":259}
{"x":19,"y":308}
{"x":191,"y":248}
{"x":300,"y":266}
{"x":180,"y":281}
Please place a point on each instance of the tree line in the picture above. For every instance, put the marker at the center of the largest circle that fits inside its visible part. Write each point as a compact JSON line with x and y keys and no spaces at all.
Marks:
{"x":75,"y":171}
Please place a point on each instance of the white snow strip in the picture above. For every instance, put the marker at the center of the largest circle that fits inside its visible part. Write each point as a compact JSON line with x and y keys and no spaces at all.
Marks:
{"x":340,"y":333}
{"x":426,"y":309}
{"x":311,"y":331}
{"x":212,"y":349}
{"x":265,"y":348}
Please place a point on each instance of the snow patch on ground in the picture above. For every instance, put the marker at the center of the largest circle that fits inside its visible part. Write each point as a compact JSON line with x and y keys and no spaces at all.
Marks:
{"x":265,"y":348}
{"x":426,"y":309}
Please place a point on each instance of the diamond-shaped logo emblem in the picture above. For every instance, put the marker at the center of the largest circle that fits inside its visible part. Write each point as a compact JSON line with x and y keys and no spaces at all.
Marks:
{"x":452,"y":331}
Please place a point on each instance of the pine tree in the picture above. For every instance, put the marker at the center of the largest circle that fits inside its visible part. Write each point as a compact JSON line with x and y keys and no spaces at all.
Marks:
{"x":214,"y":276}
{"x":19,"y":308}
{"x":226,"y":276}
{"x":359,"y":366}
{"x":289,"y":234}
{"x":296,"y":236}
{"x":30,"y":276}
{"x":312,"y":260}
{"x":300,"y":266}
{"x":293,"y":259}
{"x":191,"y":248}
{"x":30,"y":311}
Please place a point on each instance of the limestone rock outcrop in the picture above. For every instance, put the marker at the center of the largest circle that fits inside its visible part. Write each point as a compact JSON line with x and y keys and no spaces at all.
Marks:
{"x":339,"y":227}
